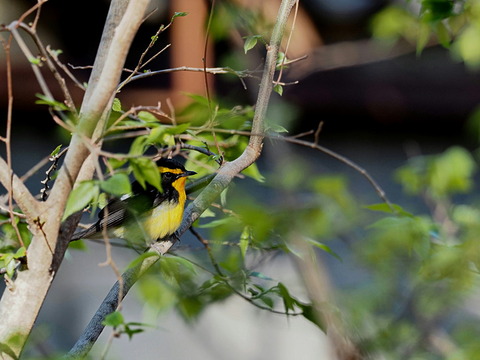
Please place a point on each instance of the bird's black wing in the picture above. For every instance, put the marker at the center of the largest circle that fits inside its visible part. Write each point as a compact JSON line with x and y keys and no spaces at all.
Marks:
{"x":119,"y":211}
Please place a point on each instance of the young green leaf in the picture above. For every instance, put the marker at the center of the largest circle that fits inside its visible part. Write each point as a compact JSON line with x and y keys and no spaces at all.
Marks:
{"x":56,"y":151}
{"x":178,"y":14}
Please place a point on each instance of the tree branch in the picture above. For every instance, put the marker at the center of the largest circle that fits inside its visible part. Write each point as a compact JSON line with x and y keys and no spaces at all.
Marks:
{"x":20,"y":305}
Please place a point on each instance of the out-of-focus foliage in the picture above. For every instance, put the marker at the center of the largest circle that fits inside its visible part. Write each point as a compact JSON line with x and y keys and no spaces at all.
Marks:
{"x":421,"y":268}
{"x":453,"y":24}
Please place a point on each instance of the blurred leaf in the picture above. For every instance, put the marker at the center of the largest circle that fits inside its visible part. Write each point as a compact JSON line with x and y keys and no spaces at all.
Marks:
{"x":116,"y":163}
{"x":389,"y":209}
{"x":324,"y":247}
{"x":278,"y":89}
{"x":448,"y":173}
{"x":117,"y":185}
{"x":309,"y":314}
{"x":443,"y":35}
{"x":436,"y":10}
{"x":139,"y":145}
{"x":148,"y":117}
{"x":467,"y":45}
{"x":117,"y":105}
{"x":145,"y":171}
{"x":21,"y":252}
{"x":56,"y":151}
{"x":178,"y":14}
{"x":394,"y":22}
{"x":253,"y":172}
{"x":288,"y":301}
{"x":139,"y":259}
{"x":56,"y":105}
{"x":80,"y":197}
{"x":244,"y":241}
{"x":423,"y":37}
{"x":113,"y":319}
{"x":250,"y":42}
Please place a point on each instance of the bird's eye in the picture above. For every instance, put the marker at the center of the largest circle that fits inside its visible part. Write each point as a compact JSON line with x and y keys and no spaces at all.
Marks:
{"x":167,"y":176}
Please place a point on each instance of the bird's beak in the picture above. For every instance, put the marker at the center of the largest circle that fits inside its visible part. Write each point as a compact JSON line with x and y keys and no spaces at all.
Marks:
{"x":188,"y":173}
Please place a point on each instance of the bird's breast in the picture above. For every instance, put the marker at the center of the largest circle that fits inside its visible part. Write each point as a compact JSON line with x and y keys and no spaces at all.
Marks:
{"x":163,"y":220}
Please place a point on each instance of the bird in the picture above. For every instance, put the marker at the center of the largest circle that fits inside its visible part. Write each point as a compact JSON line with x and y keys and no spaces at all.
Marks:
{"x":146,"y":214}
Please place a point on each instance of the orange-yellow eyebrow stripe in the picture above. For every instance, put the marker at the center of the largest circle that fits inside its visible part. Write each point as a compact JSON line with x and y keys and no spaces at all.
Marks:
{"x":162,"y":169}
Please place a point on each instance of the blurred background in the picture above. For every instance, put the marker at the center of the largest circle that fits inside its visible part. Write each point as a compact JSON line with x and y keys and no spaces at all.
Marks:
{"x":380,"y":100}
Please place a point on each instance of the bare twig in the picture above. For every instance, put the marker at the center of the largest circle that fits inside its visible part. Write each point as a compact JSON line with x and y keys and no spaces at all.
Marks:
{"x":8,"y":140}
{"x":51,"y":66}
{"x":381,"y":193}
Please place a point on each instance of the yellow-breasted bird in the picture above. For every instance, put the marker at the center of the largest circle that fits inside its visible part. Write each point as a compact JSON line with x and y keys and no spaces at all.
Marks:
{"x":147,"y":214}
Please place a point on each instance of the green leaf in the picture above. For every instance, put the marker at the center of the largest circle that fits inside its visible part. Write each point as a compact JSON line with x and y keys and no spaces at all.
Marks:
{"x":253,"y":172}
{"x":158,"y":136}
{"x":443,"y":35}
{"x":80,"y":197}
{"x":278,"y":89}
{"x":56,"y":151}
{"x":139,"y":259}
{"x":250,"y":42}
{"x":423,"y":37}
{"x":229,"y":220}
{"x":139,"y":145}
{"x":21,"y":252}
{"x":35,"y":60}
{"x":178,"y":14}
{"x":130,"y":332}
{"x":245,"y":241}
{"x":117,"y":185}
{"x":467,"y":45}
{"x":145,"y":171}
{"x":113,"y":319}
{"x":117,"y":105}
{"x":389,"y":209}
{"x":288,"y":301}
{"x":56,"y":105}
{"x":324,"y":248}
{"x":116,"y":163}
{"x":309,"y":313}
{"x":147,"y":117}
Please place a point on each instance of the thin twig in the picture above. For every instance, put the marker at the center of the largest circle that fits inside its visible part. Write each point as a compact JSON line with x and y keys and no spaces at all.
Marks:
{"x":381,"y":193}
{"x":65,"y":68}
{"x":7,"y":47}
{"x":51,"y":66}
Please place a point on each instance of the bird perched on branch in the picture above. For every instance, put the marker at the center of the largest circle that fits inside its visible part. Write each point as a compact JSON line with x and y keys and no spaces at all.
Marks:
{"x":147,"y":214}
